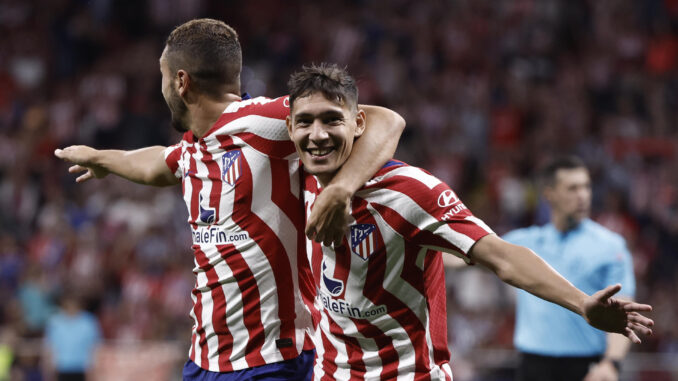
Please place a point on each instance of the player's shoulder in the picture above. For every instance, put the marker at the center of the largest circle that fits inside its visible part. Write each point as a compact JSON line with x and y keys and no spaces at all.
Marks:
{"x":398,"y":183}
{"x":524,"y":235}
{"x":263,"y":106}
{"x":601,"y":234}
{"x":261,"y":116}
{"x":396,"y":172}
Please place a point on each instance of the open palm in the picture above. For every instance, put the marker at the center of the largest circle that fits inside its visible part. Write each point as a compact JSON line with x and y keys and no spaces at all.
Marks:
{"x":619,"y":316}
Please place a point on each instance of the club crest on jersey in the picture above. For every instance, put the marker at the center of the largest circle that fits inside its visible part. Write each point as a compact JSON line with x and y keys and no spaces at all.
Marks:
{"x":334,"y":286}
{"x":230,"y":164}
{"x":363,"y":243}
{"x":206,"y":214}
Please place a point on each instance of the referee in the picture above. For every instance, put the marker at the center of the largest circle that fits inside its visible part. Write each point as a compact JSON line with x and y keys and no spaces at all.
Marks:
{"x":555,"y":344}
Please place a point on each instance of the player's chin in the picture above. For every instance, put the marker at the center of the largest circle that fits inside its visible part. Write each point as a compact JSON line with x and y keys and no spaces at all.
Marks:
{"x":318,"y":165}
{"x":319,"y":169}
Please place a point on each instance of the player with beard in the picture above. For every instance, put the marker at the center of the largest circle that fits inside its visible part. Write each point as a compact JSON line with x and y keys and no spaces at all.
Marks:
{"x":378,"y":299}
{"x":241,"y":183}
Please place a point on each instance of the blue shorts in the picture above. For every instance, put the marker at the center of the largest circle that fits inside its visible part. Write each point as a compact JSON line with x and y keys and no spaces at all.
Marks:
{"x":296,"y":369}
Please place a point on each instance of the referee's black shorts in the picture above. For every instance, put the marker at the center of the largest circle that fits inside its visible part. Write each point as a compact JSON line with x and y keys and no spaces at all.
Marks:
{"x":540,"y":368}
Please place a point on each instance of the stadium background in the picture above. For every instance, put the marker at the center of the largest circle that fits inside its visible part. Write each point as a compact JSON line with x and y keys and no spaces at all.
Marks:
{"x":489,"y":89}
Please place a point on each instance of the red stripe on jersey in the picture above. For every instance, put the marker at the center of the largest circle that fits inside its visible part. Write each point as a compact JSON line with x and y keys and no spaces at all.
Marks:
{"x":251,"y":307}
{"x":278,"y":108}
{"x":172,"y":160}
{"x":218,"y":298}
{"x":413,"y":233}
{"x":329,"y":364}
{"x":273,"y":148}
{"x":376,"y":273}
{"x":282,"y":195}
{"x":427,"y":199}
{"x":411,"y":273}
{"x":354,"y":351}
{"x":191,"y":354}
{"x":437,"y":302}
{"x":384,"y":342}
{"x":274,"y":250}
{"x":316,"y":263}
{"x":196,"y":187}
{"x":342,"y":265}
{"x":214,"y":175}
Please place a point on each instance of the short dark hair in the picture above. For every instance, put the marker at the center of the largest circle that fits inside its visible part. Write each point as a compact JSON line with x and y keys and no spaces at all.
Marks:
{"x":332,"y":81}
{"x":548,"y":172}
{"x":210,"y":53}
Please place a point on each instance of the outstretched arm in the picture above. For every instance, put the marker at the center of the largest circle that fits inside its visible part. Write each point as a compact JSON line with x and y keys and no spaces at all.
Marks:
{"x":144,"y":166}
{"x":520,"y":267}
{"x":328,"y":220}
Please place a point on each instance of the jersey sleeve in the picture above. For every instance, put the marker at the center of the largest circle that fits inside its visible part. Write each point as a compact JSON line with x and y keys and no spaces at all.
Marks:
{"x":260,"y":123}
{"x":173,"y":159}
{"x":425,"y":211}
{"x":620,"y":270}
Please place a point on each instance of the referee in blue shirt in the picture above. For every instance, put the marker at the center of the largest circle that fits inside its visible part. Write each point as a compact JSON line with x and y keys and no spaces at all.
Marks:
{"x":556,"y":344}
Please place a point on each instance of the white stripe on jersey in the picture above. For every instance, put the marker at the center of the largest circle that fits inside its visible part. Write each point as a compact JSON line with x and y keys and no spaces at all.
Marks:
{"x":235,"y":106}
{"x":480,"y":223}
{"x":414,"y":214}
{"x":342,"y":357}
{"x":268,"y":128}
{"x":412,"y":172}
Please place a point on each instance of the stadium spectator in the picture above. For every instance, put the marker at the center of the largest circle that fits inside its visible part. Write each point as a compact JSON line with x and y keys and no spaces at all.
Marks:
{"x":238,"y":173}
{"x":378,"y":299}
{"x":72,"y":336}
{"x":554,"y":344}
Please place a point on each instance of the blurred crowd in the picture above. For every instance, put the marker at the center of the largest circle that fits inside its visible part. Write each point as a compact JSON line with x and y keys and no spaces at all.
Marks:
{"x":490,"y":90}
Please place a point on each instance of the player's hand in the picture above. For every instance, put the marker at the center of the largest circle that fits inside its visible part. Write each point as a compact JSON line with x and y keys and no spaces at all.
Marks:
{"x":606,"y":313}
{"x":603,"y":371}
{"x":83,"y":158}
{"x":328,"y":222}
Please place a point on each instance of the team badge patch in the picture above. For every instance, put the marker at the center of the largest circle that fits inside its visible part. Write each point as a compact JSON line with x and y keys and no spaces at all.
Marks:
{"x":363,"y":243}
{"x":230,"y":164}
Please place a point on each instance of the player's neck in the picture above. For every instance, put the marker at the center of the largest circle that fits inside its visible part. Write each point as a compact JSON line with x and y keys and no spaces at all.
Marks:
{"x":325,"y":178}
{"x":206,"y":111}
{"x":564,"y":223}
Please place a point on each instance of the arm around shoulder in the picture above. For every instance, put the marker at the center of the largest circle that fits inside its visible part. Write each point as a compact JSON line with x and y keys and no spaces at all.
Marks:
{"x":373,"y":149}
{"x":327,"y":222}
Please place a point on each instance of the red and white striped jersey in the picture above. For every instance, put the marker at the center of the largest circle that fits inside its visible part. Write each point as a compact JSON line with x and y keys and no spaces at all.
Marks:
{"x":242,"y":186}
{"x":378,"y":301}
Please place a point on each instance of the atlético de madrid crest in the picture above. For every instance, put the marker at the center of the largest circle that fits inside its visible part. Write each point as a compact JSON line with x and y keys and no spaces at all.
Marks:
{"x":363,"y":243}
{"x":230,"y":164}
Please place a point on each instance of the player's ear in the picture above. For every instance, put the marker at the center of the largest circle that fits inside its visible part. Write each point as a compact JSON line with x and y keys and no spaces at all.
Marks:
{"x":182,"y":81}
{"x":288,"y":122}
{"x":360,"y":123}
